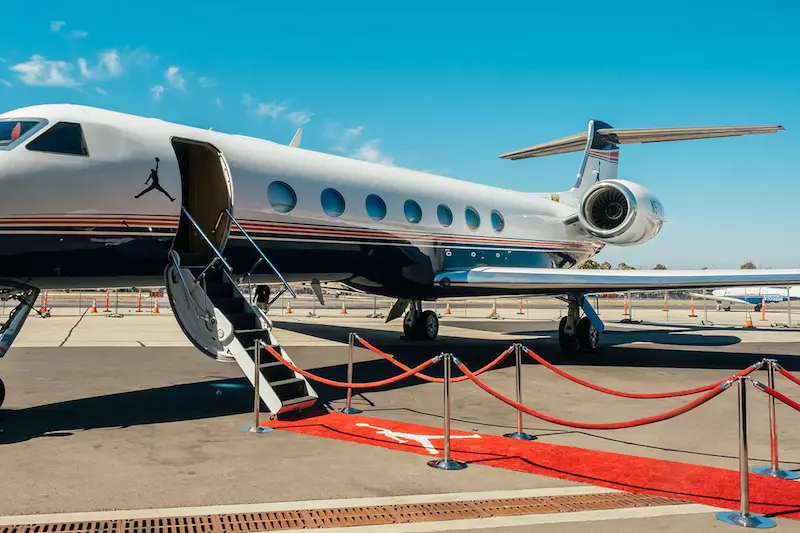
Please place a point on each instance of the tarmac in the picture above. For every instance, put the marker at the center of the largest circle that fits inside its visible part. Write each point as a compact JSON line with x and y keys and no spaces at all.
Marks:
{"x":123,"y":414}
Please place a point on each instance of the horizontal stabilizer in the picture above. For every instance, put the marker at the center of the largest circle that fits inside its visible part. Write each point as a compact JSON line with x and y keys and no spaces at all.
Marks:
{"x":577,"y":143}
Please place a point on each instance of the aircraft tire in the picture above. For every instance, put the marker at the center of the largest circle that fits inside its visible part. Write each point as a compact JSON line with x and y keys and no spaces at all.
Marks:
{"x":568,"y":343}
{"x":411,"y":326}
{"x":429,"y":326}
{"x":2,"y":392}
{"x":588,"y":336}
{"x":758,"y":308}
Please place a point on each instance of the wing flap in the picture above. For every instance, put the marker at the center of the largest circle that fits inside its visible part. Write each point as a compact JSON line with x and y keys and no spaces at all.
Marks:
{"x":554,"y":281}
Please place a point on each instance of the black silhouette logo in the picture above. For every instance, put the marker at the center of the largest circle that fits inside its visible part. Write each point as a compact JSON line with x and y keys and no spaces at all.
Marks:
{"x":154,"y":185}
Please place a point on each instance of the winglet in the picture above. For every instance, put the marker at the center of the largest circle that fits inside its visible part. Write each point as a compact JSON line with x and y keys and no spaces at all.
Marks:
{"x":296,"y":139}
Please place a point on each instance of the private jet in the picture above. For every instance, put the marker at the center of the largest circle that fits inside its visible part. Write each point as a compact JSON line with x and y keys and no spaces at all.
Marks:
{"x":96,"y":198}
{"x":755,"y":296}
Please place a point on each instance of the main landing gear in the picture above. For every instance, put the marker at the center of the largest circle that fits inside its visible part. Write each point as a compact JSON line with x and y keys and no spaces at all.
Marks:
{"x":576,"y":332}
{"x":419,"y":324}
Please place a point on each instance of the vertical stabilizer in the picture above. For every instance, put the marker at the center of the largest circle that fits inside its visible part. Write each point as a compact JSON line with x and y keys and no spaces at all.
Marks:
{"x":600,"y":158}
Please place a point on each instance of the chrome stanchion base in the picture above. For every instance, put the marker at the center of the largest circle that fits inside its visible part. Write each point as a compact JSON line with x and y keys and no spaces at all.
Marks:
{"x":519,"y":436}
{"x":750,"y":520}
{"x":256,"y":429}
{"x":349,"y":410}
{"x":777,"y":474}
{"x":442,"y":464}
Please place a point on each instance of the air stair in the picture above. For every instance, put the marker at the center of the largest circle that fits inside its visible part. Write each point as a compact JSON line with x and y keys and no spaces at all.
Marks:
{"x":224,"y":324}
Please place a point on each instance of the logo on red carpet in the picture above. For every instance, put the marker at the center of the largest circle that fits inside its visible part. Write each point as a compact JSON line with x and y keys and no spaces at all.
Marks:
{"x":422,"y":440}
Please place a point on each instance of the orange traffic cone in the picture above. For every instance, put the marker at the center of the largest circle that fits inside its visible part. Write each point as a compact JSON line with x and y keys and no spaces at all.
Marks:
{"x":494,"y":308}
{"x":344,"y":308}
{"x":625,"y":307}
{"x":289,"y":308}
{"x":691,"y":306}
{"x":44,"y":303}
{"x":94,"y":306}
{"x":447,"y":310}
{"x":665,"y":302}
{"x":107,"y":310}
{"x":139,"y":302}
{"x":748,"y":322}
{"x":763,"y":309}
{"x":520,"y":312}
{"x":155,"y":309}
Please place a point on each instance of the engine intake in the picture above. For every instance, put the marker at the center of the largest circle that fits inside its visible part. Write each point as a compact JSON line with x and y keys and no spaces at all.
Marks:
{"x":620,"y":212}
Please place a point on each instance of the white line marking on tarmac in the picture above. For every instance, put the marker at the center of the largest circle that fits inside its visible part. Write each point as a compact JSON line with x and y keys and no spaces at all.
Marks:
{"x":528,"y":520}
{"x":291,"y":506}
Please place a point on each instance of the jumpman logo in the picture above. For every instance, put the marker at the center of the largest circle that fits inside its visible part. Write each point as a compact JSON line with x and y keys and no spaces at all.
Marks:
{"x":423,"y":440}
{"x":154,"y":185}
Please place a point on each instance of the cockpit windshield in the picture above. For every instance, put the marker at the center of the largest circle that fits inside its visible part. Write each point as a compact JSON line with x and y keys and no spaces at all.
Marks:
{"x":12,"y":130}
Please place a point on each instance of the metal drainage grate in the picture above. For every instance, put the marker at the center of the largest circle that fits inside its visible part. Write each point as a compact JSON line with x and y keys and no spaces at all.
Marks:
{"x":353,"y":516}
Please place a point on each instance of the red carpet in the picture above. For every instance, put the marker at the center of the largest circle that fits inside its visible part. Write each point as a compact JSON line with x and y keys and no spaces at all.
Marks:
{"x":699,"y":484}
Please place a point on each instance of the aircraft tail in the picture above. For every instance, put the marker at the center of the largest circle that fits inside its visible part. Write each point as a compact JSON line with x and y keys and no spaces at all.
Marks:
{"x":600,"y":146}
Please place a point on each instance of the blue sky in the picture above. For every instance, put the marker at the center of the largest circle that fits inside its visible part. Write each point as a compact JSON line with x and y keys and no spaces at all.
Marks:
{"x":447,"y":86}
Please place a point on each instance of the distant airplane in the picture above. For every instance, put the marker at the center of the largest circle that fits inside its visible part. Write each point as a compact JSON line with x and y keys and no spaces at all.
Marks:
{"x":750,"y":296}
{"x":71,"y":179}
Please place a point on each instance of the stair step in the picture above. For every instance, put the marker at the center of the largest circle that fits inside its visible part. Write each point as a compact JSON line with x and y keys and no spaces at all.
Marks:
{"x":248,"y":337}
{"x":218,"y":289}
{"x":243,"y":321}
{"x":289,"y":388}
{"x":229,"y":305}
{"x":300,"y":399}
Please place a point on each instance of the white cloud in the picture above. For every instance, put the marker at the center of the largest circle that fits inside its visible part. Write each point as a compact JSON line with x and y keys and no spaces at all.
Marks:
{"x":6,"y":83}
{"x":271,"y":109}
{"x":247,"y":99}
{"x":78,"y":34}
{"x":298,"y":118}
{"x":342,"y":137}
{"x":370,"y":151}
{"x":206,"y":82}
{"x":109,"y":65}
{"x":41,"y":72}
{"x":109,"y":60}
{"x":56,"y":25}
{"x":140,"y":57}
{"x":218,"y":101}
{"x":156,"y":91}
{"x":175,"y":78}
{"x":100,"y":90}
{"x":2,"y":59}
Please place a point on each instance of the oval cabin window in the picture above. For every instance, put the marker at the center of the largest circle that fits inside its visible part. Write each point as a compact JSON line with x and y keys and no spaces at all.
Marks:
{"x":444,"y":215}
{"x":472,"y":217}
{"x":281,"y":197}
{"x":376,"y":207}
{"x":332,"y":202}
{"x":498,"y":223}
{"x":412,"y":211}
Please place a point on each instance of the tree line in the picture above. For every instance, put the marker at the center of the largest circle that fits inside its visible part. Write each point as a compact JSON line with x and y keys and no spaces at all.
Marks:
{"x":591,"y":264}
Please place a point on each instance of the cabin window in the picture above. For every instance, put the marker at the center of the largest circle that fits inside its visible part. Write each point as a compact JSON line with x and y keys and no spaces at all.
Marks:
{"x":412,"y":211}
{"x":498,"y":222}
{"x":12,"y":131}
{"x":376,"y":207}
{"x":62,"y":138}
{"x":472,"y":217}
{"x":281,"y":197}
{"x":445,"y":215}
{"x":332,"y":202}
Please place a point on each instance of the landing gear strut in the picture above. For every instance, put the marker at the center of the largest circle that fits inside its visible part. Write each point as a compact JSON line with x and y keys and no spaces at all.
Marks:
{"x":577,"y":333}
{"x":419,"y":324}
{"x":2,"y":392}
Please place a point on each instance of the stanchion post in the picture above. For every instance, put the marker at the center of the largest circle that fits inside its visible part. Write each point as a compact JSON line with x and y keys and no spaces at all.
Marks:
{"x":447,"y":463}
{"x":519,"y":433}
{"x":257,"y":427}
{"x":773,"y":470}
{"x":349,"y":409}
{"x":744,"y":518}
{"x":789,"y":303}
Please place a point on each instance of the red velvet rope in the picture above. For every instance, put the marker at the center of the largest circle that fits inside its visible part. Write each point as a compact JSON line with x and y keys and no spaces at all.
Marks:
{"x":646,"y":396}
{"x":785,"y":373}
{"x":779,"y":396}
{"x":582,"y":425}
{"x":332,"y":383}
{"x":426,"y":377}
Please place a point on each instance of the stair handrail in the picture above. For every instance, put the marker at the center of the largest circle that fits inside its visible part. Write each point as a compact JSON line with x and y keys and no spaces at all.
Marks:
{"x":260,"y":252}
{"x":208,"y":241}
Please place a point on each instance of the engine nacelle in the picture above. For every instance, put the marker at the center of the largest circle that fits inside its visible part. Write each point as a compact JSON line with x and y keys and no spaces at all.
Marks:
{"x":620,"y":212}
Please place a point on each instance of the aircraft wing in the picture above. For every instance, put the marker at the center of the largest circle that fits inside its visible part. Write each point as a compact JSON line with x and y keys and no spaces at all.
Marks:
{"x":553,"y":281}
{"x":720,"y":298}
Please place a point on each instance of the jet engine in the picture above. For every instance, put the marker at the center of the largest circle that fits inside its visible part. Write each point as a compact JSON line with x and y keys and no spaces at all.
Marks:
{"x":620,"y":212}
